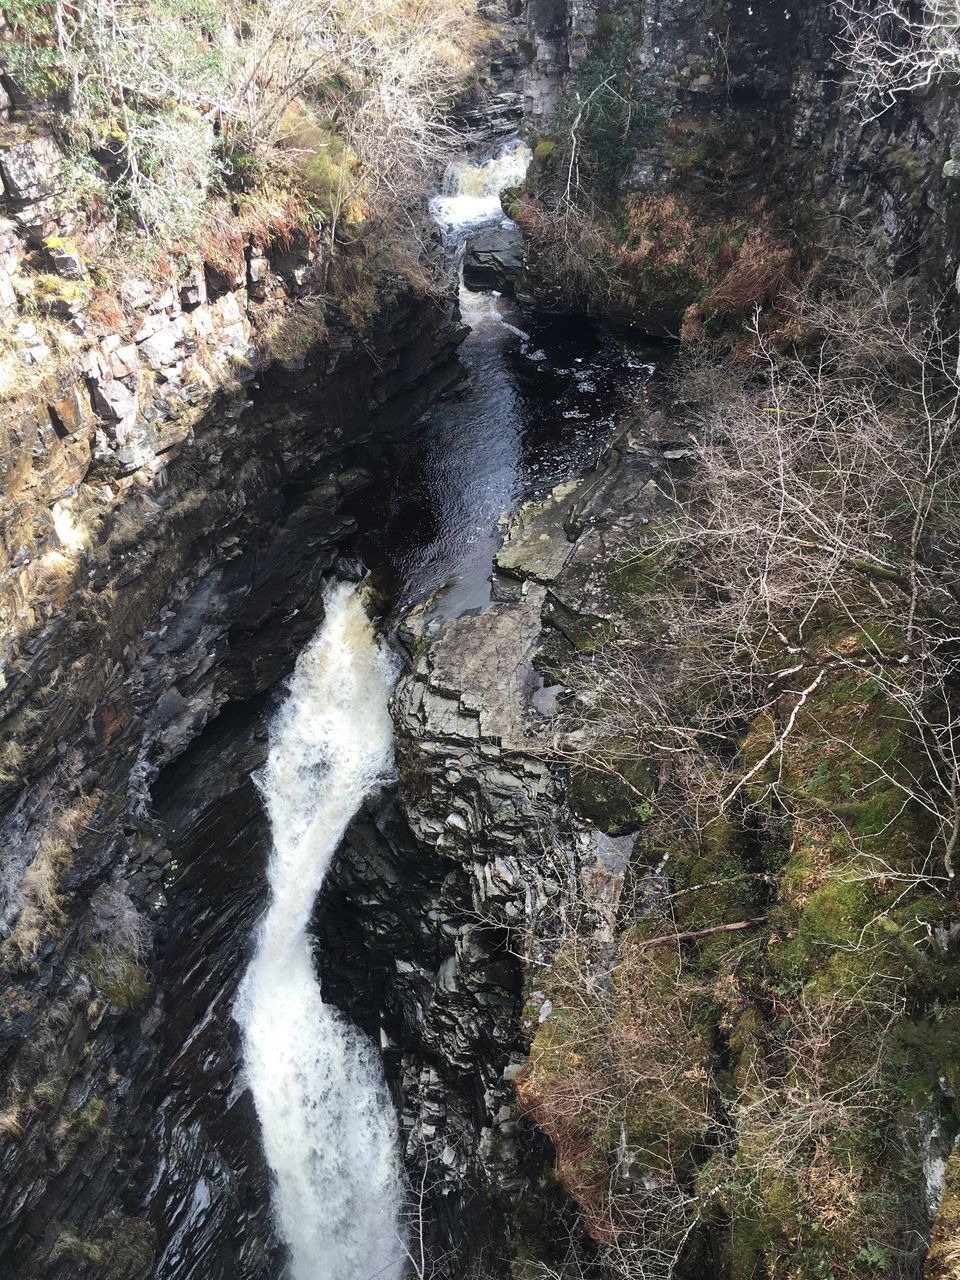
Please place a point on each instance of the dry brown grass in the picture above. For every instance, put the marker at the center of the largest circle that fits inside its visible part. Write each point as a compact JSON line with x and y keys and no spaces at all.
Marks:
{"x":620,"y":1078}
{"x":943,"y":1260}
{"x":285,"y":333}
{"x":20,"y":382}
{"x":53,"y":575}
{"x":105,"y":312}
{"x":42,"y":908}
{"x":11,"y":758}
{"x":698,"y":257}
{"x":11,"y":1122}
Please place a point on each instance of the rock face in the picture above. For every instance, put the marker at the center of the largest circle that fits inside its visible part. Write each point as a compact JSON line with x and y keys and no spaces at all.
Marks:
{"x":439,"y":889}
{"x":420,"y":911}
{"x":751,"y":99}
{"x":130,"y":884}
{"x":30,"y":170}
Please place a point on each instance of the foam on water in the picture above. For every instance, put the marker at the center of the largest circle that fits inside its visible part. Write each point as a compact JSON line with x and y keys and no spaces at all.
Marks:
{"x":329,"y":1129}
{"x":471,"y":191}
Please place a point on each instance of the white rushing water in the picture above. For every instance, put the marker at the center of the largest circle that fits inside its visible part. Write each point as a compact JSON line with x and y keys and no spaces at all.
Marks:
{"x":471,"y":191}
{"x":328,"y":1125}
{"x":329,"y":1129}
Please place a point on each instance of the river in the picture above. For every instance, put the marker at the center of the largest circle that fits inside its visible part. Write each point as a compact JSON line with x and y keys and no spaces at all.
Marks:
{"x":536,"y":405}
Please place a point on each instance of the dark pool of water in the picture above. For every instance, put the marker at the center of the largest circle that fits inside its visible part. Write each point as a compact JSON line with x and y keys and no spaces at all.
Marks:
{"x":536,"y":407}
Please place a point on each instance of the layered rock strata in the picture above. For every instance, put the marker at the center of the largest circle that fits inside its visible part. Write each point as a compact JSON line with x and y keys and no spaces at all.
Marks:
{"x":129,"y":892}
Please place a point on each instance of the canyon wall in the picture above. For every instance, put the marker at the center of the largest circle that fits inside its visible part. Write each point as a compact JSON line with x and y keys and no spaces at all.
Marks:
{"x":744,"y":118}
{"x":745,"y":129}
{"x":175,"y":501}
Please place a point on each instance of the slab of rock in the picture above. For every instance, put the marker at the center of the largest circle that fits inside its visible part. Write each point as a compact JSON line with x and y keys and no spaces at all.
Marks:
{"x":31,"y":170}
{"x":494,"y":260}
{"x":193,"y":291}
{"x":484,"y":664}
{"x":160,"y":349}
{"x":113,"y":399}
{"x":537,"y":545}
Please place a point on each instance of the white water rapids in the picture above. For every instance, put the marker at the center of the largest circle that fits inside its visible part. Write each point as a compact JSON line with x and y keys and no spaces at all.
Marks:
{"x":328,"y":1125}
{"x":471,"y":192}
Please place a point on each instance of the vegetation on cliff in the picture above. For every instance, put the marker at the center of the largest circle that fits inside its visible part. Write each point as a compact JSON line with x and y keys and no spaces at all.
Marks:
{"x":176,"y":115}
{"x":160,"y":140}
{"x":696,"y":252}
{"x":755,"y":1074}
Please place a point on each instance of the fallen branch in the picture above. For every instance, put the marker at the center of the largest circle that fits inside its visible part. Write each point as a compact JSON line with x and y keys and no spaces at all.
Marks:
{"x":693,"y":934}
{"x":778,"y":745}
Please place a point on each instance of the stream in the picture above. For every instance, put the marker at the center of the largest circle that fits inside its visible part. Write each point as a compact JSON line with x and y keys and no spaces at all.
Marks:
{"x":536,"y":405}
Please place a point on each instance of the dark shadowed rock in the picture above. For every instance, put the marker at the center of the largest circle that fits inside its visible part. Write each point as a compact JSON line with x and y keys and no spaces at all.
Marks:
{"x":494,"y":260}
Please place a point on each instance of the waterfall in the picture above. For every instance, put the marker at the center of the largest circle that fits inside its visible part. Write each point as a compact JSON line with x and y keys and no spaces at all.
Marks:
{"x":471,"y":191}
{"x":328,"y":1125}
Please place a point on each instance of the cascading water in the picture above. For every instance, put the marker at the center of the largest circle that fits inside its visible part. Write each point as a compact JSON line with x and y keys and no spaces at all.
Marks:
{"x":536,"y":407}
{"x":328,"y":1125}
{"x":471,"y":191}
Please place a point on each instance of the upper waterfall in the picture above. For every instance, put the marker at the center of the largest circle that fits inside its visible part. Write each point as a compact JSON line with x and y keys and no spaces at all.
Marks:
{"x":471,"y":189}
{"x":328,"y":1125}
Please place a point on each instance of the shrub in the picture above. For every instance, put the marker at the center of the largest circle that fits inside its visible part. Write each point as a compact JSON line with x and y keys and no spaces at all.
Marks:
{"x":176,"y":98}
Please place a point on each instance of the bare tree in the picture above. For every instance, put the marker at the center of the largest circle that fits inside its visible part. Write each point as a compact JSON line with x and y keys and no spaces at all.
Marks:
{"x":799,"y":602}
{"x":892,"y":47}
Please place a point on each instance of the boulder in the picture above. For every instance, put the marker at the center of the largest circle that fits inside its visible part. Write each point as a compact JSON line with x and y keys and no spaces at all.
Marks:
{"x":494,"y":260}
{"x":193,"y":291}
{"x":258,"y":278}
{"x":113,"y":399}
{"x":65,"y":258}
{"x":31,"y":170}
{"x":124,"y":361}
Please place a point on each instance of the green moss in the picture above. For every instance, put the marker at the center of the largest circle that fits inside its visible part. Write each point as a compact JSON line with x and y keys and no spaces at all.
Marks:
{"x":615,"y":805}
{"x":585,"y":632}
{"x":609,"y":24}
{"x":60,"y":243}
{"x":636,"y":575}
{"x":50,"y":289}
{"x":909,"y":170}
{"x":541,"y":1227}
{"x":931,"y":1053}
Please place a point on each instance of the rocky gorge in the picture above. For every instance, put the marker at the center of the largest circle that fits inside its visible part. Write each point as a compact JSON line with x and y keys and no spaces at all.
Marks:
{"x":181,"y":488}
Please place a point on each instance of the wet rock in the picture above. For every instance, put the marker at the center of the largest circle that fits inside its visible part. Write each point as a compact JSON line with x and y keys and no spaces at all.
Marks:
{"x":537,"y":545}
{"x":493,"y":260}
{"x":191,"y":605}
